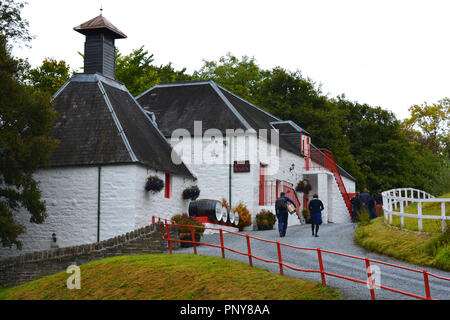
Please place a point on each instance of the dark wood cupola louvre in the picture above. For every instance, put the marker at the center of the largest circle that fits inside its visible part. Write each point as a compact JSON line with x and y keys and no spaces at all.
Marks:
{"x":99,"y":48}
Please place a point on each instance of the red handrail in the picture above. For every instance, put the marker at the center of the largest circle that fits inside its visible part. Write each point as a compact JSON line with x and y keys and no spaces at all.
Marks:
{"x":319,"y":251}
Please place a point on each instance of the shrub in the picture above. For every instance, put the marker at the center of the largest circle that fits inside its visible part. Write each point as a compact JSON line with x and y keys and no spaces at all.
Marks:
{"x":265,"y":220}
{"x":363,"y":217}
{"x":191,"y":193}
{"x":225,"y":204}
{"x":185,"y":219}
{"x":154,"y":184}
{"x":306,"y":215}
{"x":245,"y":219}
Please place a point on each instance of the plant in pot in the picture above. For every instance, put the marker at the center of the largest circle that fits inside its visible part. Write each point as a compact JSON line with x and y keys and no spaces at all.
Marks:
{"x":191,"y":193}
{"x":245,"y":218}
{"x":265,"y":220}
{"x":154,"y":184}
{"x":185,"y":231}
{"x":303,"y":186}
{"x":306,"y":215}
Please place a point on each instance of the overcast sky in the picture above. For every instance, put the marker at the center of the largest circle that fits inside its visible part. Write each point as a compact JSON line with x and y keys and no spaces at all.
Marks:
{"x":391,"y":54}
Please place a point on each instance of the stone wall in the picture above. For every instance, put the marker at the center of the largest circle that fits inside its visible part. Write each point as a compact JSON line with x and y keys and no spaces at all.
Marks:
{"x":31,"y":266}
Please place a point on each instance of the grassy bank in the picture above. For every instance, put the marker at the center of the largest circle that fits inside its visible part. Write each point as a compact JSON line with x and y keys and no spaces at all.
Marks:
{"x":171,"y":277}
{"x":416,"y":248}
{"x":431,"y":209}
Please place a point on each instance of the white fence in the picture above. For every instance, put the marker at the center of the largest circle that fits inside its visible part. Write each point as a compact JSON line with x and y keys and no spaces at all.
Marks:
{"x":399,"y":198}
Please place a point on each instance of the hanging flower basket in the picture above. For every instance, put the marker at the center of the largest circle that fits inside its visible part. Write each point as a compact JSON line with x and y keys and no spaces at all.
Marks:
{"x":154,"y":184}
{"x":303,"y":186}
{"x":191,"y":193}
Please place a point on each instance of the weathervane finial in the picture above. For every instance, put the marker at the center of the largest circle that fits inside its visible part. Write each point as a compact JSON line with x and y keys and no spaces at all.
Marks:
{"x":101,"y":9}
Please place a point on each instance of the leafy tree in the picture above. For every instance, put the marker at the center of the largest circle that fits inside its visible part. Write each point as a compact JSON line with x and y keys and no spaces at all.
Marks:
{"x":136,"y":71}
{"x":242,"y":77}
{"x":433,"y":122}
{"x":25,"y":121}
{"x":49,"y":77}
{"x":12,"y":26}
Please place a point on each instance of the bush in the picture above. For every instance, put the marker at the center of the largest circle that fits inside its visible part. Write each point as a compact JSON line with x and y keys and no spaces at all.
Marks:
{"x":306,"y":215}
{"x":363,"y":217}
{"x":245,"y":218}
{"x":184,"y":219}
{"x":265,"y":220}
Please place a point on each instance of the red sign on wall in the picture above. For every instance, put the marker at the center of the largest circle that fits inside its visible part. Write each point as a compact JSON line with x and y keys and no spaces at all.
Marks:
{"x":241,"y":166}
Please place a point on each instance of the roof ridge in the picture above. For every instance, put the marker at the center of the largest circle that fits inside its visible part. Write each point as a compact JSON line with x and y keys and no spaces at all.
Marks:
{"x":230,"y":105}
{"x":117,"y":122}
{"x":248,"y":102}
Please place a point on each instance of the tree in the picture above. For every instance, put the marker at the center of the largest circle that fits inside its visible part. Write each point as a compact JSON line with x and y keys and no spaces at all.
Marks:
{"x":136,"y":71}
{"x":242,"y":77}
{"x":25,"y":121}
{"x":49,"y":77}
{"x":12,"y":26}
{"x":433,"y":123}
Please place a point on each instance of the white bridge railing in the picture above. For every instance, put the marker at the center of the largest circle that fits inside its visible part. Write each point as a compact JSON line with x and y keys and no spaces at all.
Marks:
{"x":399,"y":198}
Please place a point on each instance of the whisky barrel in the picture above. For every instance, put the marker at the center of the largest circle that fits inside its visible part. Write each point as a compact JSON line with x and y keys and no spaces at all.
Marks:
{"x":224,"y":214}
{"x":206,"y":208}
{"x":231,"y":216}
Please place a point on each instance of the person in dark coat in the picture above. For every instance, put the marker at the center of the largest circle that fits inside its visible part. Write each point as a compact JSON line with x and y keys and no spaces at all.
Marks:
{"x":364,"y":198}
{"x":378,"y":203}
{"x":282,"y":213}
{"x":315,"y":208}
{"x":371,"y":207}
{"x":356,"y":207}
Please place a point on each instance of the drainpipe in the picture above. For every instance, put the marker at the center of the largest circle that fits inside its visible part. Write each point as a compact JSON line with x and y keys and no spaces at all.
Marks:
{"x":229,"y":173}
{"x":98,"y":202}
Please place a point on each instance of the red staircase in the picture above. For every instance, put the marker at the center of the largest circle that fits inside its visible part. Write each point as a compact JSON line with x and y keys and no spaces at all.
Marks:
{"x":330,"y":164}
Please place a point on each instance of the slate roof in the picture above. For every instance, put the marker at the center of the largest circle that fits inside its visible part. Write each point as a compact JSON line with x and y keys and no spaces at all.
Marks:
{"x":99,"y":122}
{"x":177,"y":105}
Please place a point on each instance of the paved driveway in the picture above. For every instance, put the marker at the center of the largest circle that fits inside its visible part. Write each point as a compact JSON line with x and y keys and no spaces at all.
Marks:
{"x":333,"y":237}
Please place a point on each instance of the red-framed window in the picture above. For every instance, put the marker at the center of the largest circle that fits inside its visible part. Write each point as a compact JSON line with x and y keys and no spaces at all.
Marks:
{"x":167,"y":186}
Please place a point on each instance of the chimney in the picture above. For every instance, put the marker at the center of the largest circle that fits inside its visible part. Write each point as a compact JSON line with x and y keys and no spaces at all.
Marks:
{"x":99,"y":49}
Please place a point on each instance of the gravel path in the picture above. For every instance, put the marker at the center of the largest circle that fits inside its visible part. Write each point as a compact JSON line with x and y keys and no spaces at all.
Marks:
{"x":333,"y":237}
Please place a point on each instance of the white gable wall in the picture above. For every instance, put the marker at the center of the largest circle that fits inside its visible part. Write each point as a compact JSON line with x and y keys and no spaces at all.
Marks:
{"x":71,"y":196}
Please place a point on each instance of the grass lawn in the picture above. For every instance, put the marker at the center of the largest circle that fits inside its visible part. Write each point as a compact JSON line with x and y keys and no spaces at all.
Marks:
{"x":416,"y":248}
{"x":432,"y":208}
{"x":171,"y":277}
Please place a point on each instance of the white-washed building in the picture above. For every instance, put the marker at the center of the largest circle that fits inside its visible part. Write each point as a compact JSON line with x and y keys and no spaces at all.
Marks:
{"x":94,"y":188}
{"x":242,"y":153}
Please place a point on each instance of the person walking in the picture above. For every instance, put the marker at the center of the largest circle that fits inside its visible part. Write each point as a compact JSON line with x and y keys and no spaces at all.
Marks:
{"x":378,"y":203}
{"x":356,"y":207}
{"x":315,"y":209}
{"x":371,"y":206}
{"x":364,"y":198}
{"x":281,"y":211}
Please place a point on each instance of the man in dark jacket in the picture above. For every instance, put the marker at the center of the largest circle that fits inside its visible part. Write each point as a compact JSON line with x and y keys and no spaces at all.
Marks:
{"x":356,"y":207}
{"x":364,"y":198}
{"x":282,"y":213}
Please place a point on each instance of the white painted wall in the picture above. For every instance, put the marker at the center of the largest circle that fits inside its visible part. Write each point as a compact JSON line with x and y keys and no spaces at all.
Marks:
{"x":71,"y":196}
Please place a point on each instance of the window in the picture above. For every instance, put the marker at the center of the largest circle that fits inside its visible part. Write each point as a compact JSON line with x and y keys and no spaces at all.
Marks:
{"x":167,"y":186}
